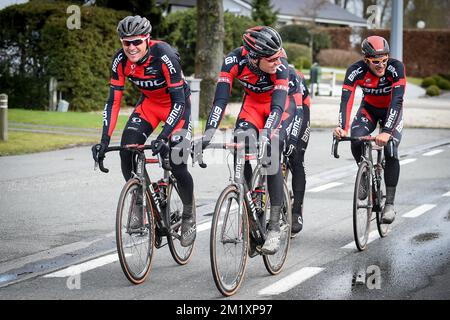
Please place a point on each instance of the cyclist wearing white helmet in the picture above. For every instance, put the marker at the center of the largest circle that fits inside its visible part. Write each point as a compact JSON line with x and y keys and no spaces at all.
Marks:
{"x":154,"y":67}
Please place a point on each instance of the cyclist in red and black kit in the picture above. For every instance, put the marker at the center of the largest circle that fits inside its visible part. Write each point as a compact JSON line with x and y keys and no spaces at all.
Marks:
{"x":154,"y":67}
{"x":261,"y":67}
{"x":383,"y":81}
{"x":298,"y":139}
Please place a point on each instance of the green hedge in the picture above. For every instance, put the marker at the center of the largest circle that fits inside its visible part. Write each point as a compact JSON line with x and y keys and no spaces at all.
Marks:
{"x":439,"y":81}
{"x":80,"y":59}
{"x":298,"y":54}
{"x":433,"y":91}
{"x":302,"y":35}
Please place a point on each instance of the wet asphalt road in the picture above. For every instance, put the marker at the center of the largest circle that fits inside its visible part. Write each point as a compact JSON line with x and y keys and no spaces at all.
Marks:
{"x":57,"y":212}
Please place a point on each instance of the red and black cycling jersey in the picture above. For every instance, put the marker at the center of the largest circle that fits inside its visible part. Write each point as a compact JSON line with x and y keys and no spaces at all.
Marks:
{"x":262,"y":88}
{"x":158,"y":76}
{"x":299,"y":90}
{"x":384,"y":92}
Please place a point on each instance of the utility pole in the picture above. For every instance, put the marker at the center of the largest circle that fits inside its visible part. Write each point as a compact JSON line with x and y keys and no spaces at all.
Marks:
{"x":397,"y":30}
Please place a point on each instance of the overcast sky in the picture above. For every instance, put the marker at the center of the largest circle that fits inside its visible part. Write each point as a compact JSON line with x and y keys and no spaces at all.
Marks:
{"x":4,"y":3}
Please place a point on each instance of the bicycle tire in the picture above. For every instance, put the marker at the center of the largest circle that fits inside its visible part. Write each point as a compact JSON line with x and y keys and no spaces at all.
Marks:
{"x":226,"y":282}
{"x":361,"y":218}
{"x":125,"y":258}
{"x":180,"y":254}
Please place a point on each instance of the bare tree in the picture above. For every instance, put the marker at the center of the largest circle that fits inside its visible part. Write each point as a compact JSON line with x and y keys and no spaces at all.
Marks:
{"x":434,"y":13}
{"x":209,"y":51}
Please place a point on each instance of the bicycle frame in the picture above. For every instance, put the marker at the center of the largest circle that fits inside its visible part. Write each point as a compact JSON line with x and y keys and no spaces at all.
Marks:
{"x":238,"y":180}
{"x":139,"y":171}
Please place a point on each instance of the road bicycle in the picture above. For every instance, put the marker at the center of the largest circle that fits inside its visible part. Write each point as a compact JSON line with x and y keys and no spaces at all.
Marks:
{"x":370,"y":192}
{"x":160,"y":208}
{"x":240,"y":221}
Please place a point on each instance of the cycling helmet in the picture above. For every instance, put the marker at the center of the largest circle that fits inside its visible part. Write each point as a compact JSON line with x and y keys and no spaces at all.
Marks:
{"x":262,"y":41}
{"x":375,"y":46}
{"x":133,"y":26}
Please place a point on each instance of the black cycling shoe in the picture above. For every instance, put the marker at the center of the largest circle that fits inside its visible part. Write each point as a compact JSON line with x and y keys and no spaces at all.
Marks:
{"x":188,"y":231}
{"x":297,"y":224}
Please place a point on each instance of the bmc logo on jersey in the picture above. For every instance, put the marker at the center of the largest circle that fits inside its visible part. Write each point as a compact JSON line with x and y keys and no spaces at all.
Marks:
{"x":352,"y":75}
{"x":393,"y":70}
{"x":148,"y":83}
{"x":229,"y":60}
{"x":296,"y":126}
{"x":215,"y":116}
{"x":255,"y":88}
{"x":169,"y":64}
{"x":376,"y":91}
{"x":174,"y":114}
{"x":389,"y":122}
{"x":116,"y":62}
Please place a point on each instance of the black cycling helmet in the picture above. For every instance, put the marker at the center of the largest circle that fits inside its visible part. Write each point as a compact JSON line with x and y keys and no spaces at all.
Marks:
{"x":133,"y":26}
{"x":375,"y":46}
{"x":262,"y":41}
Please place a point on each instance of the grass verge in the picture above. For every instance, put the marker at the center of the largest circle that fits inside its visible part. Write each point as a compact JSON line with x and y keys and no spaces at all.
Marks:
{"x":25,"y":142}
{"x":63,"y":119}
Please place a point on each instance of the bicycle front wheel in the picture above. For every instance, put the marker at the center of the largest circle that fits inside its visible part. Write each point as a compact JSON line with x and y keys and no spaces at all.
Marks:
{"x":174,"y":208}
{"x":383,"y":229}
{"x":362,"y":206}
{"x":229,"y":242}
{"x":134,"y":246}
{"x":274,"y":263}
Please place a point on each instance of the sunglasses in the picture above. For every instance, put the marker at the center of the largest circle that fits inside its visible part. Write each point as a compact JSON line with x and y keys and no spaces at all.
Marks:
{"x":377,"y":61}
{"x":135,"y":42}
{"x":274,"y":58}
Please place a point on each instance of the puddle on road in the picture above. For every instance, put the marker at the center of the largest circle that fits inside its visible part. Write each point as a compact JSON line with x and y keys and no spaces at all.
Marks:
{"x":424,"y":237}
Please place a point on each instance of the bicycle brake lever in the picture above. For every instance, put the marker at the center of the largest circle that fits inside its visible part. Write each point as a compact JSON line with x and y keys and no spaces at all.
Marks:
{"x":334,"y":147}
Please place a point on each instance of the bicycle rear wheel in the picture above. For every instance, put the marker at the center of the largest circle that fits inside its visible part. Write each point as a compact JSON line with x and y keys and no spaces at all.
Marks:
{"x":134,"y":246}
{"x":229,"y":242}
{"x":362,"y":206}
{"x":174,"y":208}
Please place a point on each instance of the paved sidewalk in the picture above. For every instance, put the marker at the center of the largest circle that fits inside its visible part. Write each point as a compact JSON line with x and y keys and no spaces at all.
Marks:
{"x":419,"y":111}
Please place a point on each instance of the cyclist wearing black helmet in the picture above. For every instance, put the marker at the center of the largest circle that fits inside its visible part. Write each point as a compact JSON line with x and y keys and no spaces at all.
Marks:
{"x":154,"y":67}
{"x":382,"y":80}
{"x":260,"y":65}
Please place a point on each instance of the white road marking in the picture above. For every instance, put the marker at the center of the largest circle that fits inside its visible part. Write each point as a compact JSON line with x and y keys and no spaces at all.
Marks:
{"x":406,"y":161}
{"x":325,"y":187}
{"x":446,"y":194}
{"x":372,"y":236}
{"x":83,"y":267}
{"x":419,"y":211}
{"x":433,"y":152}
{"x":204,"y":226}
{"x":290,"y":281}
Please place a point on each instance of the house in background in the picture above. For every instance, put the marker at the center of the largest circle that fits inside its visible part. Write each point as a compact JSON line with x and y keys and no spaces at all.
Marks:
{"x":289,"y":11}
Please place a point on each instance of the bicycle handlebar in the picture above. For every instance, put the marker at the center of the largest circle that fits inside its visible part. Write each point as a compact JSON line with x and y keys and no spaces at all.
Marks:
{"x":336,"y":140}
{"x":197,"y":150}
{"x":129,"y":147}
